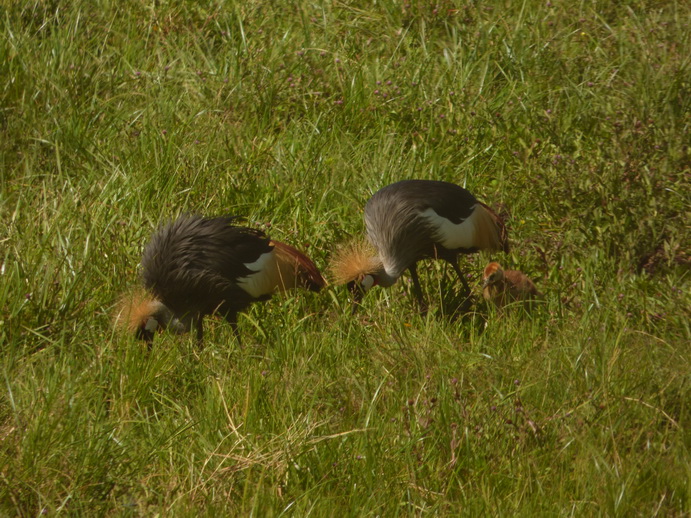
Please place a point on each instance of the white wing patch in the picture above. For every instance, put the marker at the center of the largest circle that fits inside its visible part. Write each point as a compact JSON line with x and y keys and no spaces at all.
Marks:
{"x":451,"y":235}
{"x":261,"y":282}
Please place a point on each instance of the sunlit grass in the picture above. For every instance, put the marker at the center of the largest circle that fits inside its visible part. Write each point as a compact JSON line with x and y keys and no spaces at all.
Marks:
{"x":571,"y":120}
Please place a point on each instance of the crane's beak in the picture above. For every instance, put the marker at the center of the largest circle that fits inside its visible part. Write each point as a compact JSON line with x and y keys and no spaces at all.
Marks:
{"x":147,"y":331}
{"x":357,"y":293}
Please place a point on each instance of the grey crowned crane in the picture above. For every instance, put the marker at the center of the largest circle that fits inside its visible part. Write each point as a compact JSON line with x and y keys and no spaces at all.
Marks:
{"x":196,"y":266}
{"x":412,"y":220}
{"x":503,"y":287}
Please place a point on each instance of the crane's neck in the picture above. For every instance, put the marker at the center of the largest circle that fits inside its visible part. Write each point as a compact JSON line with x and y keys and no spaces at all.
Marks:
{"x":384,"y":279}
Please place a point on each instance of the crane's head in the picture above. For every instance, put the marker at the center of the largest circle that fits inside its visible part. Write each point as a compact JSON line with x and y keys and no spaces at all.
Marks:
{"x":492,"y":275}
{"x":358,"y":267}
{"x":142,"y":315}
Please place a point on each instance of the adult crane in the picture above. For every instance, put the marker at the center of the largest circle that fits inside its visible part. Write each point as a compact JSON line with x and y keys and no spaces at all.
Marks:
{"x":196,"y":266}
{"x":412,"y":220}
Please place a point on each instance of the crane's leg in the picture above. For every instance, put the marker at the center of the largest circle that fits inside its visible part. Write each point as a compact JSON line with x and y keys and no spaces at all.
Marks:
{"x":232,"y":319}
{"x":234,"y":325}
{"x":417,"y":289}
{"x":458,"y":271}
{"x":200,"y":329}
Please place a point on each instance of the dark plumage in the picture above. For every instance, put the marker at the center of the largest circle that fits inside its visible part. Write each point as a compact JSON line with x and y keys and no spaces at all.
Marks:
{"x":197,"y":266}
{"x":415,"y":219}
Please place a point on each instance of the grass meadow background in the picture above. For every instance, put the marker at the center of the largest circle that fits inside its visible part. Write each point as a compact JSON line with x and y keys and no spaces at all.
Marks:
{"x":570,"y":118}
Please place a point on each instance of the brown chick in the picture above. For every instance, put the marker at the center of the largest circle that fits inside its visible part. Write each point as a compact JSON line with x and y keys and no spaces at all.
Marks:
{"x":503,"y":287}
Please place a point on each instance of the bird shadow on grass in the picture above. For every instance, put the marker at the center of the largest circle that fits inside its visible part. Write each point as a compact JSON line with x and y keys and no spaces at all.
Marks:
{"x":455,"y":305}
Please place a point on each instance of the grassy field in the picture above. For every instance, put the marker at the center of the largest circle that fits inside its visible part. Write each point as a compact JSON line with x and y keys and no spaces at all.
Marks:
{"x":570,"y":118}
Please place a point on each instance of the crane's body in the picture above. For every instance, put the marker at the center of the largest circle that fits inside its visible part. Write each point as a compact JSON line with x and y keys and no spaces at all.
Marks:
{"x":196,"y":266}
{"x":415,"y":219}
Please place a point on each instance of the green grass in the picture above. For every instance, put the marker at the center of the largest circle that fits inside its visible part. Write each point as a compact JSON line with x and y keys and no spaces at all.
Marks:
{"x":571,"y":118}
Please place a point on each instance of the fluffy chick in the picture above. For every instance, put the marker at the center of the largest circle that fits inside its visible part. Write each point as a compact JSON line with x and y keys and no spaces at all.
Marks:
{"x":503,"y":287}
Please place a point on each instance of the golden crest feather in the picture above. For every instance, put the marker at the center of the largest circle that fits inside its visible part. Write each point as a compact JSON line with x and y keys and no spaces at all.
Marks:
{"x":353,"y":261}
{"x":133,"y":309}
